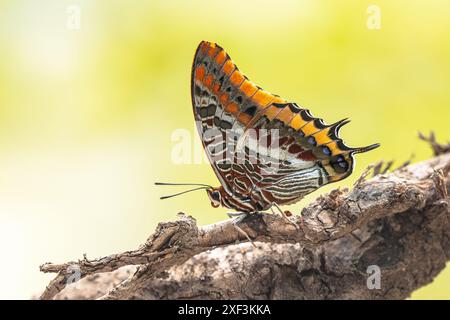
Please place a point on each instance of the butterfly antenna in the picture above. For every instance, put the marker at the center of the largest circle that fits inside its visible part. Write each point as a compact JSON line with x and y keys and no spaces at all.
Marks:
{"x":199,"y":185}
{"x":182,"y":184}
{"x":183,"y":192}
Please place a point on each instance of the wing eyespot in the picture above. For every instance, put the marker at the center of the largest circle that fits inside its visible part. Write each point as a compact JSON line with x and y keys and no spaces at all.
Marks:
{"x":326,"y":151}
{"x":312,"y":141}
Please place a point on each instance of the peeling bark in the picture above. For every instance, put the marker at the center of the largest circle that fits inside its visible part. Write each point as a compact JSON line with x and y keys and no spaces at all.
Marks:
{"x":397,"y":222}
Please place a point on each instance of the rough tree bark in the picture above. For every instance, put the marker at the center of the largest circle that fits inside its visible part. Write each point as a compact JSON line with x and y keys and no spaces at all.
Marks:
{"x":397,"y":222}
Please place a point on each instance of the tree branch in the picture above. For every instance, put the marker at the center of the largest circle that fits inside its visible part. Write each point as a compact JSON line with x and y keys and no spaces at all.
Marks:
{"x":396,"y":221}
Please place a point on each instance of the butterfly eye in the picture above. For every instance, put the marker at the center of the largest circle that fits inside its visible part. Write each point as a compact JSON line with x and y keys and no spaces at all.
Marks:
{"x":215,"y":195}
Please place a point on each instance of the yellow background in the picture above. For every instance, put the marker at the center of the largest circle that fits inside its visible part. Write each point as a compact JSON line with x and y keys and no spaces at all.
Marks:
{"x":86,"y":116}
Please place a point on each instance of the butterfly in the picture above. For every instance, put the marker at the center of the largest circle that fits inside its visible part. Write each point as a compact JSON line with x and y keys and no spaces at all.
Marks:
{"x":264,"y":150}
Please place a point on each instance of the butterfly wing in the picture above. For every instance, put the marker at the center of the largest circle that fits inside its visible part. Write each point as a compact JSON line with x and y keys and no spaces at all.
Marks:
{"x":224,"y":103}
{"x":259,"y":145}
{"x":308,"y":154}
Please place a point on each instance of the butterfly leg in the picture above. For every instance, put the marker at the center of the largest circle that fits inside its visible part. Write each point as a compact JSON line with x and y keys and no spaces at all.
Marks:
{"x":238,"y":217}
{"x":283,"y":214}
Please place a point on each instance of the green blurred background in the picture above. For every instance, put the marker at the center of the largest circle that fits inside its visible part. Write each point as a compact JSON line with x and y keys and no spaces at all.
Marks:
{"x":87,"y":115}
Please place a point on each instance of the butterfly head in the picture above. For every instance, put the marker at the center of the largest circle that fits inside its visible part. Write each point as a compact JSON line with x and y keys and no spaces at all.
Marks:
{"x":215,"y":195}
